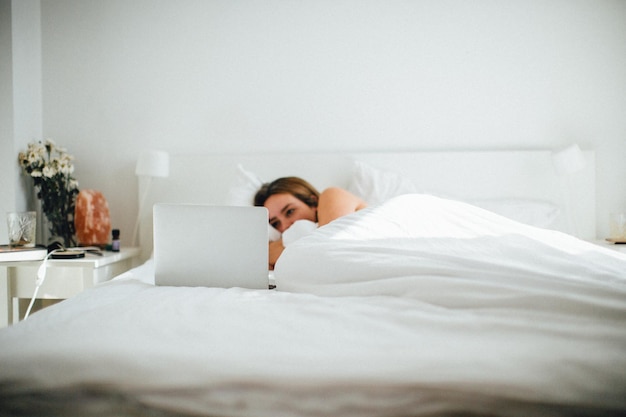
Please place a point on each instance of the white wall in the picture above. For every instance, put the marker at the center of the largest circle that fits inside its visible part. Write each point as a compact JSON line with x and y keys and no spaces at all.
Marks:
{"x":7,"y":185}
{"x":20,"y":107}
{"x":20,"y":99}
{"x":233,"y":75}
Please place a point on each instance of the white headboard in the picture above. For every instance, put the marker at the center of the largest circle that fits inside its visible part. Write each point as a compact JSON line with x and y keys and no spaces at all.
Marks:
{"x":524,"y":174}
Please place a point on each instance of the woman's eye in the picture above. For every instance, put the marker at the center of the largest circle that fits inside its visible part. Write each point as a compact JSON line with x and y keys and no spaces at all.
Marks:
{"x":275,"y":225}
{"x":289,"y":212}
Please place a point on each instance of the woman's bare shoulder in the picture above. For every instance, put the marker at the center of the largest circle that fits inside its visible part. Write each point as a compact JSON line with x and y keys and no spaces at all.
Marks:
{"x":336,"y":192}
{"x":335,"y":202}
{"x":340,"y":194}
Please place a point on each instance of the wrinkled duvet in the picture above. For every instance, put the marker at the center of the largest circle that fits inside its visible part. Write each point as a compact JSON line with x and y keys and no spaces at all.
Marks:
{"x":418,"y":307}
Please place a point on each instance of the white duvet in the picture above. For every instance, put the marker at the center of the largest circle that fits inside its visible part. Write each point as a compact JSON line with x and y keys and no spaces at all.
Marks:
{"x":420,"y":306}
{"x":447,"y":253}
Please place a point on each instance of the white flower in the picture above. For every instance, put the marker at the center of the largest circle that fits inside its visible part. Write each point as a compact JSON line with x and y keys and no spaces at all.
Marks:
{"x":65,"y":169}
{"x":46,"y":159}
{"x":49,"y":171}
{"x":51,"y":168}
{"x":36,"y":154}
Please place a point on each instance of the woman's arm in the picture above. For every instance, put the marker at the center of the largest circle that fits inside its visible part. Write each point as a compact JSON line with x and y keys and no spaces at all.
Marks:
{"x":333,"y":203}
{"x":275,"y":249}
{"x":336,"y":202}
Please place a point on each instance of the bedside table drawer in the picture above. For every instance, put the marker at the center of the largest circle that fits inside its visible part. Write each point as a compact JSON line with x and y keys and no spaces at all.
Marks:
{"x":60,"y":282}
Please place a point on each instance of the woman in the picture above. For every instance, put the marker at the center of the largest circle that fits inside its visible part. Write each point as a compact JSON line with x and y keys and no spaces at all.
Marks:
{"x":289,"y":199}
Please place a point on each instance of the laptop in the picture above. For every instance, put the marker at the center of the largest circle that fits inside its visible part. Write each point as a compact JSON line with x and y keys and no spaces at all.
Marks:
{"x":210,"y":246}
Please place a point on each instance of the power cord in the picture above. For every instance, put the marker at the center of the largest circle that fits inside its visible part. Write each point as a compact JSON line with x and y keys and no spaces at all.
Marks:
{"x":41,"y":276}
{"x":41,"y":272}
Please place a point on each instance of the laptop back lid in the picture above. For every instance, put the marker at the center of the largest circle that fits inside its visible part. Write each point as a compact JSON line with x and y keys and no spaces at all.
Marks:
{"x":211,"y":246}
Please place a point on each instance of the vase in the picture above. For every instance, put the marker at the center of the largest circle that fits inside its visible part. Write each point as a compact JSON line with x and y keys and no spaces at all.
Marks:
{"x":49,"y":232}
{"x":43,"y":229}
{"x":61,"y":231}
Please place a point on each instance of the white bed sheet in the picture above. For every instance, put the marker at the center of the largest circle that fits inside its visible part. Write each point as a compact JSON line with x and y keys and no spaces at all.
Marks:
{"x":532,"y":335}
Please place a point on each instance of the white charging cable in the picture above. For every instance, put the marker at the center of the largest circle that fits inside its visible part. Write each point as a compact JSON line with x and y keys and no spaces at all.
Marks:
{"x":41,"y":276}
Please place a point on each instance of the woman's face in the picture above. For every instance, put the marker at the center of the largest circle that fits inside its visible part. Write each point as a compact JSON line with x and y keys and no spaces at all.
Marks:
{"x":285,"y":209}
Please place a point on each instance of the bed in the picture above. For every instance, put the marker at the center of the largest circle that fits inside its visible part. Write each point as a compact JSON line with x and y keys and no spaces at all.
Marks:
{"x":461,"y":290}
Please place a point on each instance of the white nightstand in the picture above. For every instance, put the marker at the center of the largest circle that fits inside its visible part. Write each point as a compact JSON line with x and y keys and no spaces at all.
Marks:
{"x":621,"y":247}
{"x":64,"y":277}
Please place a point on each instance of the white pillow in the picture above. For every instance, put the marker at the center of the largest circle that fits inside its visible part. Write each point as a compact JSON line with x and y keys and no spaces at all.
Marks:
{"x":242,"y":193}
{"x":532,"y":212}
{"x":376,"y":186}
{"x":245,"y":186}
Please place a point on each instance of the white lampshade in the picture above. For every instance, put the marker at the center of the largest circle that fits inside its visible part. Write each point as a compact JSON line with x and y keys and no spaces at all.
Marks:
{"x":569,"y":161}
{"x":153,"y":164}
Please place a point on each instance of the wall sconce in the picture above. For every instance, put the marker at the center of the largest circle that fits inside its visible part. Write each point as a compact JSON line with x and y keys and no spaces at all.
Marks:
{"x":150,"y":164}
{"x":567,"y":162}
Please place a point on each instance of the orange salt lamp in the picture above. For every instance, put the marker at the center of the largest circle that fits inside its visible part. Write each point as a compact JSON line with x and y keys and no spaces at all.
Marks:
{"x":92,"y":219}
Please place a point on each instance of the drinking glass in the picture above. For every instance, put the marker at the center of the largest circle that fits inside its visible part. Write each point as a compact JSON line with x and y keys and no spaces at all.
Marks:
{"x":22,"y":226}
